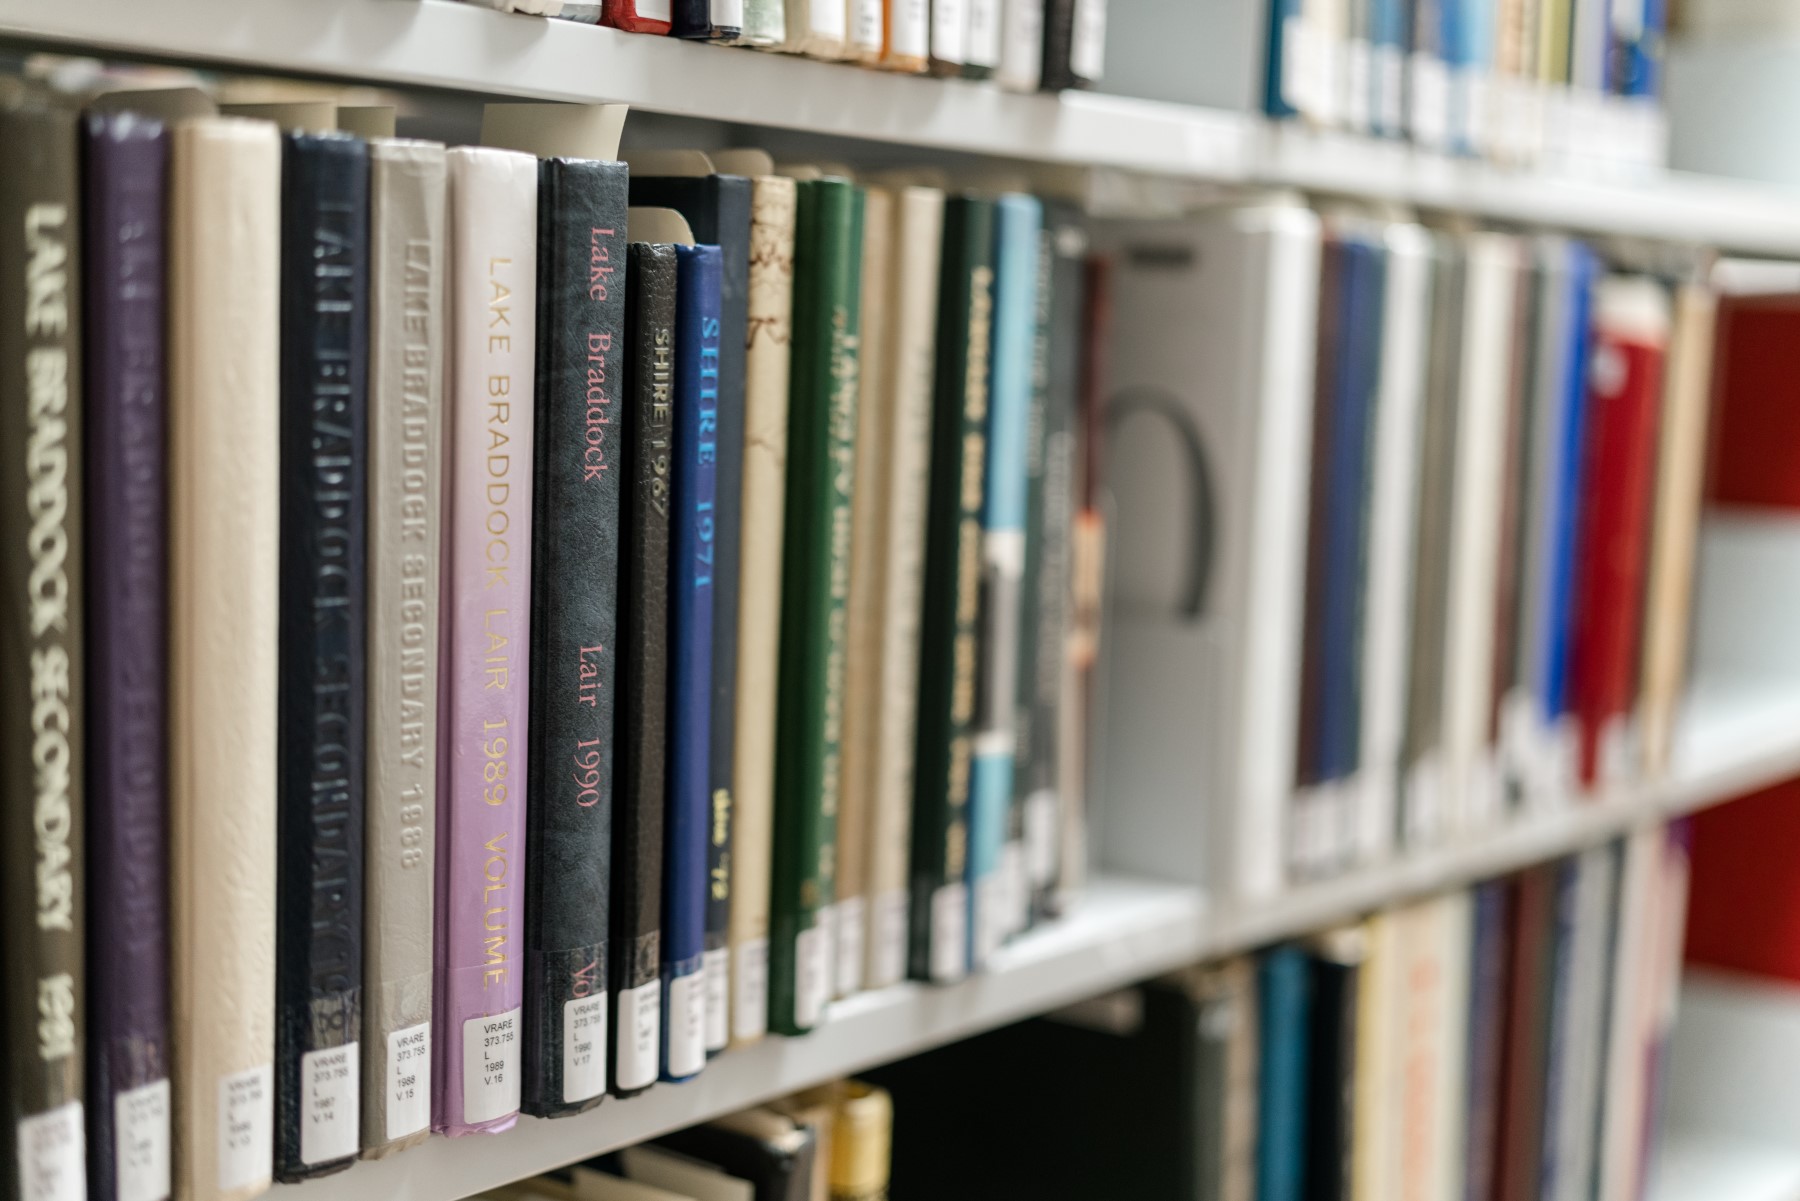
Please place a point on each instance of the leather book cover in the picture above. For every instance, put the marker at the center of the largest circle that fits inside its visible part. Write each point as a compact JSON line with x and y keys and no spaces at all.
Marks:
{"x":718,"y":211}
{"x":485,"y":640}
{"x":224,"y":572}
{"x":643,"y":615}
{"x":637,"y":16}
{"x":708,"y":20}
{"x":575,"y":568}
{"x":408,"y":273}
{"x":1625,"y":390}
{"x":321,"y":641}
{"x":693,"y":526}
{"x":903,"y":440}
{"x":993,"y":859}
{"x":822,"y":394}
{"x":125,"y":157}
{"x":862,"y":663}
{"x":939,"y":937}
{"x":768,"y":332}
{"x":42,"y":1003}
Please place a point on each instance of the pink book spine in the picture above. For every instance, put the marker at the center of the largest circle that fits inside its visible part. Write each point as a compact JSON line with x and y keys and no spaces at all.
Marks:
{"x":486,"y":636}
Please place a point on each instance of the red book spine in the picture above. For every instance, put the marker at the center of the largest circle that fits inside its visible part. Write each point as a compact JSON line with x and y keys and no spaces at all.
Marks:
{"x":1631,"y":337}
{"x":647,"y":16}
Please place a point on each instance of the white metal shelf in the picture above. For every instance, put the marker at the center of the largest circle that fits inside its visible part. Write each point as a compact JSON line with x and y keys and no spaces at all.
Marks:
{"x":444,"y":44}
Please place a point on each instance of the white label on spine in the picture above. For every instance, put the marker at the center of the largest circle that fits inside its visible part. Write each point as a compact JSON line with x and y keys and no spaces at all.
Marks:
{"x":826,"y":18}
{"x":909,"y":32}
{"x":990,"y":915}
{"x":983,"y":48}
{"x":53,"y":1155}
{"x":653,"y":10}
{"x":717,"y":967}
{"x":887,"y":961}
{"x":141,"y":1142}
{"x":687,"y":1023}
{"x":584,"y":1048}
{"x":851,"y":922}
{"x":1390,"y":90}
{"x":949,"y":30}
{"x":1429,"y":119}
{"x":408,"y":1080}
{"x":246,"y":1128}
{"x":812,"y":971}
{"x":1040,"y":838}
{"x":728,"y":14}
{"x":750,"y":1008}
{"x":950,"y":932}
{"x":329,"y":1123}
{"x":639,"y":1034}
{"x":865,"y":25}
{"x":1299,"y":55}
{"x":1022,"y":51}
{"x":1087,"y":45}
{"x":490,"y":1067}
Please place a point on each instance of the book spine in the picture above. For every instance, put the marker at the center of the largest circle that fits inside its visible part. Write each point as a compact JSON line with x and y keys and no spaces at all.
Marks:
{"x":321,"y":707}
{"x":574,"y":560}
{"x":906,"y":37}
{"x":1031,"y":791}
{"x":126,"y":161}
{"x":1022,"y":45}
{"x":407,"y":274}
{"x":637,"y":856}
{"x":949,"y":36}
{"x":1286,"y":1002}
{"x":991,"y":883}
{"x":43,"y":1002}
{"x":821,"y":447}
{"x":708,"y":20}
{"x":224,"y":524}
{"x":981,"y":46}
{"x":637,"y":16}
{"x":485,"y":635}
{"x":764,"y":23}
{"x":904,"y":473}
{"x":938,"y":941}
{"x":767,"y":334}
{"x":693,"y":507}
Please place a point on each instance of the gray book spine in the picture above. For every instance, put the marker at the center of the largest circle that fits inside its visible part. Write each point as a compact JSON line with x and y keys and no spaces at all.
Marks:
{"x":406,"y":416}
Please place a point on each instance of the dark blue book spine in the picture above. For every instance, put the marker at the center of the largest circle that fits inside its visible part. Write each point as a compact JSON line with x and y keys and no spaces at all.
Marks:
{"x":1284,"y":986}
{"x":1582,"y":271}
{"x":691,"y":570}
{"x":127,"y":664}
{"x":1488,"y":941}
{"x":322,"y":625}
{"x":1284,"y":17}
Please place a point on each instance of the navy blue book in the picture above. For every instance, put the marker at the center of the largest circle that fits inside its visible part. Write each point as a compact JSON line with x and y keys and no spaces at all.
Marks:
{"x":693,"y":519}
{"x":1346,"y":509}
{"x":1284,"y":986}
{"x":1489,"y":941}
{"x":717,"y":208}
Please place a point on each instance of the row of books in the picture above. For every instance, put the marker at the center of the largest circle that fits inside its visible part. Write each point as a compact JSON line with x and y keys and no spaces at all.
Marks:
{"x":1455,"y":537}
{"x":1497,"y":1044}
{"x":1023,"y":45}
{"x":830,"y":1143}
{"x":1517,"y":81}
{"x":494,"y":627}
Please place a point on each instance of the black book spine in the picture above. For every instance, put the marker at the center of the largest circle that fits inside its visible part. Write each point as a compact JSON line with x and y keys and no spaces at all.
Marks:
{"x":575,"y":569}
{"x":43,"y":911}
{"x":322,"y":633}
{"x":717,"y":208}
{"x":699,"y":19}
{"x":643,"y":668}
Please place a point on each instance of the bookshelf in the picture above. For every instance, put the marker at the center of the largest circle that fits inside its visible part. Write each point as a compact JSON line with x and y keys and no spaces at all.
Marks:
{"x":444,"y":44}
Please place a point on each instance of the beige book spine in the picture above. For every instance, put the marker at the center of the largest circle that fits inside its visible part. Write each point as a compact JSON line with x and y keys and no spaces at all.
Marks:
{"x":1680,"y":475}
{"x":1373,"y":1166}
{"x":406,"y":417}
{"x":772,"y":203}
{"x":223,"y":506}
{"x":862,"y":663}
{"x":905,"y":382}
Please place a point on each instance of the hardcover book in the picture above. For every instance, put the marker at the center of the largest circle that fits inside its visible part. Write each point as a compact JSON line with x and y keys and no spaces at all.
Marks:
{"x":224,"y":535}
{"x":581,"y":264}
{"x":125,"y":158}
{"x":939,"y":935}
{"x":643,"y":616}
{"x":1074,"y":44}
{"x":821,"y":466}
{"x":694,"y":504}
{"x":42,"y":1001}
{"x":637,"y":16}
{"x":717,"y":207}
{"x":321,"y":641}
{"x":485,"y":624}
{"x":906,"y":38}
{"x":1285,"y":1020}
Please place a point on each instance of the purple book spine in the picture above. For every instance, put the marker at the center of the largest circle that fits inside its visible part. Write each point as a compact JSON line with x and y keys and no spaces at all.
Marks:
{"x":127,"y":663}
{"x":485,"y":630}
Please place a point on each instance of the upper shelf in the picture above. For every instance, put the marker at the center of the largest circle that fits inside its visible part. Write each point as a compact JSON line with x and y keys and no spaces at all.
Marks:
{"x":440,"y":43}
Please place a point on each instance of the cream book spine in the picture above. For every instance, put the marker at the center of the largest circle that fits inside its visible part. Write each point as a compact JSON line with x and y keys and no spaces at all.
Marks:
{"x":1678,"y":496}
{"x":904,"y":379}
{"x":406,"y":415}
{"x":1374,"y":1146}
{"x":772,"y":208}
{"x":224,"y":468}
{"x":862,"y":664}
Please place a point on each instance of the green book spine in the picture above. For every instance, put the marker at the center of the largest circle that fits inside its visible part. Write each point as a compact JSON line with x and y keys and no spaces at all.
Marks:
{"x":939,"y":948}
{"x":822,"y":390}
